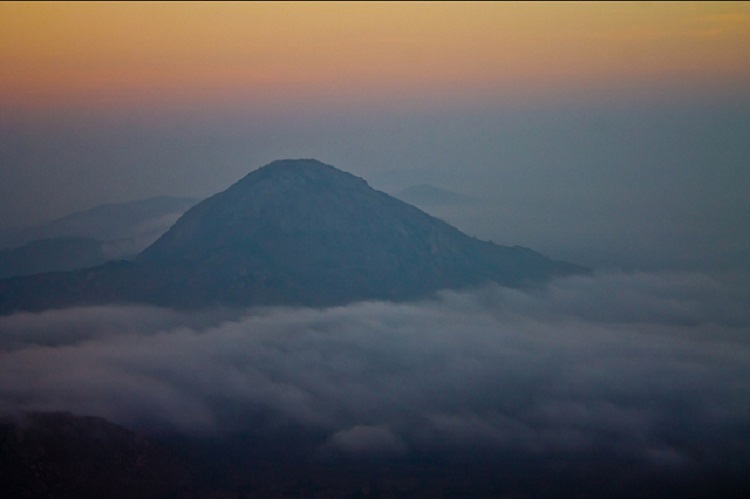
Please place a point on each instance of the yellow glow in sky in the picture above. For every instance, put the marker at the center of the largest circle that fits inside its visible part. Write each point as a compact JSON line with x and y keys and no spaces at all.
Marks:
{"x":97,"y":52}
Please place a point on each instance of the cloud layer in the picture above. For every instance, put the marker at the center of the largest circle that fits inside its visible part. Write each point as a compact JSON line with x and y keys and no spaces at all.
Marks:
{"x":651,"y":366}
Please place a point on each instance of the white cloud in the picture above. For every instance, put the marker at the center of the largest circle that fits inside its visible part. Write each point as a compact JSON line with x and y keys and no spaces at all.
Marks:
{"x":649,"y":365}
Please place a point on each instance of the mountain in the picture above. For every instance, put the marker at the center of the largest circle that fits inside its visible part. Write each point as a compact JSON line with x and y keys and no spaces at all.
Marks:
{"x":57,"y":454}
{"x":429,"y":195}
{"x":126,"y":227}
{"x":61,"y":455}
{"x":294,"y":232}
{"x":49,"y":255}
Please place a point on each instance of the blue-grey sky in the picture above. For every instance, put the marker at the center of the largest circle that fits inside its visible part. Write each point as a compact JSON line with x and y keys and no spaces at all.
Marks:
{"x":601,"y":182}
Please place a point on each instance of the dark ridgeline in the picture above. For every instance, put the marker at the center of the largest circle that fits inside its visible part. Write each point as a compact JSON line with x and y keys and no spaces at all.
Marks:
{"x":61,"y":455}
{"x":107,"y":222}
{"x":49,"y":255}
{"x":295,"y":232}
{"x":88,"y":238}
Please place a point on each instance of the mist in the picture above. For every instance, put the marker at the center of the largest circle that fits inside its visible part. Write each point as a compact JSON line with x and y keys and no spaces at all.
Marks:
{"x":651,"y":366}
{"x":638,"y":184}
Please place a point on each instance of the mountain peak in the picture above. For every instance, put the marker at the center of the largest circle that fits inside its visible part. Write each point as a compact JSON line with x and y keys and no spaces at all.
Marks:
{"x":299,"y":232}
{"x":292,"y":171}
{"x":304,"y":232}
{"x":298,"y":164}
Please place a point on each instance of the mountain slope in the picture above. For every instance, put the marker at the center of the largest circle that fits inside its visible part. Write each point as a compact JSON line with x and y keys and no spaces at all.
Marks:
{"x":304,"y":232}
{"x":296,"y":232}
{"x":429,"y":195}
{"x":62,"y":455}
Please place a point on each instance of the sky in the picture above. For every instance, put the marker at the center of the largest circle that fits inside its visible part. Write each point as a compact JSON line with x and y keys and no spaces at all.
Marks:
{"x":611,"y":134}
{"x":57,"y":55}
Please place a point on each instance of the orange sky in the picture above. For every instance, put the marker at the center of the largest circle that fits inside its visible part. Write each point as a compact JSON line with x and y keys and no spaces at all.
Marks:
{"x":99,"y":53}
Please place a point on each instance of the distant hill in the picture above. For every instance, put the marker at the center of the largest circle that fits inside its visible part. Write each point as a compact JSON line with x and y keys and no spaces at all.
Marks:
{"x":428,"y":195}
{"x":88,"y":238}
{"x":292,"y":232}
{"x":107,"y":223}
{"x":49,"y":255}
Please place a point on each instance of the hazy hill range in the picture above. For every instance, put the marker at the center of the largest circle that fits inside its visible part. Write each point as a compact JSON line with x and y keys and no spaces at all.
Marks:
{"x":90,"y":237}
{"x":292,"y":232}
{"x":49,"y":255}
{"x":108,"y":222}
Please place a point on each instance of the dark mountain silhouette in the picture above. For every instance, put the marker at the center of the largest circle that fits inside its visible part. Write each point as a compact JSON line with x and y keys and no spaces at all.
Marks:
{"x":292,"y":232}
{"x":49,"y":255}
{"x":57,"y":454}
{"x":61,"y":455}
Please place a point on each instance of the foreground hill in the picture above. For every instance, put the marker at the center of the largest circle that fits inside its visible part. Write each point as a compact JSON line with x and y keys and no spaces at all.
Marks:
{"x":62,"y":455}
{"x":56,"y":454}
{"x":292,"y":232}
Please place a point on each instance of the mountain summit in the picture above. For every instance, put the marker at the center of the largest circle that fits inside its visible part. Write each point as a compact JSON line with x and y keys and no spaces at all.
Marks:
{"x":305,"y":233}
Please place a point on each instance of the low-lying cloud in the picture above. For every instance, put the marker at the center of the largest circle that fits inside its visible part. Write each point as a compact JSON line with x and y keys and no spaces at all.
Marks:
{"x":652,"y":366}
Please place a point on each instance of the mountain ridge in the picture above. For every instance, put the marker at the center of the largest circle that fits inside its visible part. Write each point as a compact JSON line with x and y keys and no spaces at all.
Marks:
{"x":105,"y":222}
{"x":431,"y":196}
{"x":295,"y":232}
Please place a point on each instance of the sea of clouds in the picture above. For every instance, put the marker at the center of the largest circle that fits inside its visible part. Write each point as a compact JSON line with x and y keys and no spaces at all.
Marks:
{"x":655,"y":366}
